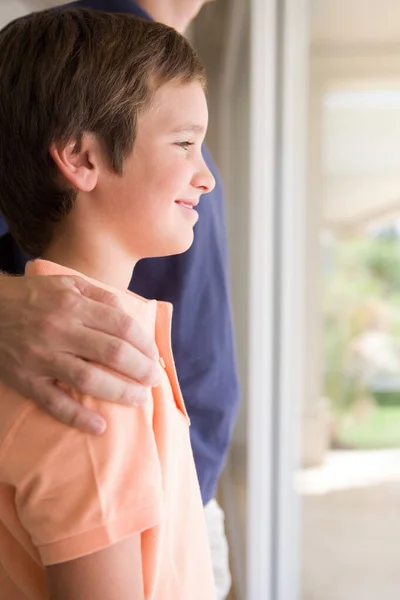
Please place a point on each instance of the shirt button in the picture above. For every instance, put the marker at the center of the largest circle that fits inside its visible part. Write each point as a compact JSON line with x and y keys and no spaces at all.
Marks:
{"x":162,"y":362}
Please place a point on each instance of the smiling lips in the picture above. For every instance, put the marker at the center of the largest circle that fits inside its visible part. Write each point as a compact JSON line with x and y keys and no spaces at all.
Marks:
{"x":187,"y":203}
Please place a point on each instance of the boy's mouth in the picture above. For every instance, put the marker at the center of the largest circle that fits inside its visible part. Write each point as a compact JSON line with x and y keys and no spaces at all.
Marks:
{"x":187,"y":203}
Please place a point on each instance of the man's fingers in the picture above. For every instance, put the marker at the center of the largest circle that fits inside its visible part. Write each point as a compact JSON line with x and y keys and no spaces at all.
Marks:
{"x":88,"y":378}
{"x":119,"y":324}
{"x":48,"y":396}
{"x":114,"y":353}
{"x":95,"y":292}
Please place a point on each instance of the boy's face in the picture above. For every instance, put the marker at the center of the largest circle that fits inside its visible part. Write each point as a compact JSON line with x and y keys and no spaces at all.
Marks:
{"x":150,"y":208}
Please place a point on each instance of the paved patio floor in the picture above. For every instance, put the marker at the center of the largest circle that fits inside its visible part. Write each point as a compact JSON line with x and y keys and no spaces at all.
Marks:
{"x":351,"y":527}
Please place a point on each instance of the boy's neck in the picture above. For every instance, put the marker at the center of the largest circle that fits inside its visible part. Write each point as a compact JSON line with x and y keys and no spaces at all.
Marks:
{"x":92,"y":255}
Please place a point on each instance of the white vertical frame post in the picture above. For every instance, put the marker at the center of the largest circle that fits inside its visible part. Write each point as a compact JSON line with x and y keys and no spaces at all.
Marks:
{"x":291,"y":199}
{"x":263,"y":165}
{"x":279,"y":61}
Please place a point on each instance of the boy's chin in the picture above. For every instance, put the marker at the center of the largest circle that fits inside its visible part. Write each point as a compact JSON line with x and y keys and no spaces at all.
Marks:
{"x":182,"y":245}
{"x":173,"y":247}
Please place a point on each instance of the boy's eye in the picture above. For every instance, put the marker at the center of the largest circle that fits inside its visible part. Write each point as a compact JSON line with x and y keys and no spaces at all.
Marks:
{"x":185,"y":145}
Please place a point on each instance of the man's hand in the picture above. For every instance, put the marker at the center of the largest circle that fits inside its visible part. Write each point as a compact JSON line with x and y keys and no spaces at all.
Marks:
{"x":54,"y":328}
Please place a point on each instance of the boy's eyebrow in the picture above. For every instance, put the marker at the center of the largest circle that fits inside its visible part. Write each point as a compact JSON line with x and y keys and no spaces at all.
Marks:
{"x":191,"y":128}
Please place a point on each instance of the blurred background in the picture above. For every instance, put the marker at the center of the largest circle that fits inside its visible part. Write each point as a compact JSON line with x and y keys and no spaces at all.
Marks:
{"x":305,"y":127}
{"x":322,"y":274}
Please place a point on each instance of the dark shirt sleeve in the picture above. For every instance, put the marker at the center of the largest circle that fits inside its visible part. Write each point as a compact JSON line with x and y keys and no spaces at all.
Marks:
{"x":12,"y":261}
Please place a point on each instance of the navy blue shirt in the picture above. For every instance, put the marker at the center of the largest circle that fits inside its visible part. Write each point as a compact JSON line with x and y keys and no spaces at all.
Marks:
{"x":196,"y":283}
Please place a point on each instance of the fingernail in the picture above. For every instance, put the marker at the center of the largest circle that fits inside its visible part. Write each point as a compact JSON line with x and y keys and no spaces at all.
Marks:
{"x":98,"y":425}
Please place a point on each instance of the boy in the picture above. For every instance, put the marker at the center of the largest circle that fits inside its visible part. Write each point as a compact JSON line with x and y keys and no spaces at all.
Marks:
{"x":102,"y":119}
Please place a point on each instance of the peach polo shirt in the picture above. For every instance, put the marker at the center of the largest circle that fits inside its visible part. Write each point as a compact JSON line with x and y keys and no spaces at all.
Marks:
{"x":65,"y":494}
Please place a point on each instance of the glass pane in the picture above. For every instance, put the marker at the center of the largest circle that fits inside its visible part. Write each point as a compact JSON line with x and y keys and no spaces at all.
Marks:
{"x":350,"y":477}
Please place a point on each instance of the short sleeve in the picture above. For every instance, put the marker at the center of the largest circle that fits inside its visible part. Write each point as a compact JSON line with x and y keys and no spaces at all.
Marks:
{"x":78,"y":493}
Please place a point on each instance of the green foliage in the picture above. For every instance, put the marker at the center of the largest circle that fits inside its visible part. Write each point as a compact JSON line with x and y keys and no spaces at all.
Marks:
{"x":361,"y":291}
{"x":381,"y":257}
{"x":380,"y":429}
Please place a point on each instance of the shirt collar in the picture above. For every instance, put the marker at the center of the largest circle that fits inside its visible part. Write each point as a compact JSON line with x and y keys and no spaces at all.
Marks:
{"x":142,"y":309}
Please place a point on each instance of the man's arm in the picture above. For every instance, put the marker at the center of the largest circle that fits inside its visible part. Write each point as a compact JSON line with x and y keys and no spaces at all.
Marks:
{"x":53,"y":328}
{"x":114,"y":573}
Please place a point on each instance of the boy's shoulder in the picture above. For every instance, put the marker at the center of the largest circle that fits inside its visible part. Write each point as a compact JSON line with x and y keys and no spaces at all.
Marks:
{"x":13,"y":408}
{"x":143,"y":309}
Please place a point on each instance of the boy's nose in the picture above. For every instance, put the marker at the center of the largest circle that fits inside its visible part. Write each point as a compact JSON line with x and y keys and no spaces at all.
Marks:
{"x":204,"y":179}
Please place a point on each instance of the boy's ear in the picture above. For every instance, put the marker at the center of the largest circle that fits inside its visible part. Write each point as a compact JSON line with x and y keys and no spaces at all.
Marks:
{"x":79,"y":167}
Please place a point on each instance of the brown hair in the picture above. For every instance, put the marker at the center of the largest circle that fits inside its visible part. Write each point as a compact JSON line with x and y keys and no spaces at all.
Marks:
{"x":64,"y":73}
